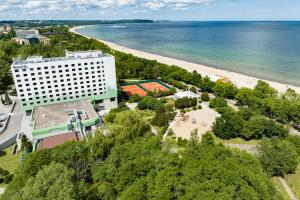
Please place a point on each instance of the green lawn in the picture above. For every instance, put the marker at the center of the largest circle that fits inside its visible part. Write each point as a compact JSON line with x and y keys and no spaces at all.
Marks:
{"x":240,"y":141}
{"x":294,"y":182}
{"x":280,"y":188}
{"x":235,"y":141}
{"x":8,"y":161}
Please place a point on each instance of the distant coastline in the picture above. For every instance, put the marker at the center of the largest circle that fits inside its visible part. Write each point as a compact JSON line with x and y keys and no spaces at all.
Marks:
{"x":238,"y":79}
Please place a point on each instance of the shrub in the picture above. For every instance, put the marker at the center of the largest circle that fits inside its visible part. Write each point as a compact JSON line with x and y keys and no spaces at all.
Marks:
{"x":185,"y":102}
{"x":150,"y":103}
{"x":225,"y":90}
{"x":218,"y":102}
{"x":134,"y":98}
{"x":193,"y":89}
{"x":199,"y":107}
{"x":182,"y":142}
{"x":205,"y":96}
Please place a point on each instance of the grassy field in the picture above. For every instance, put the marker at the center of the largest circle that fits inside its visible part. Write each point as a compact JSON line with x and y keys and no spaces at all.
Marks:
{"x":280,"y":188}
{"x":235,"y":141}
{"x":8,"y":161}
{"x":294,"y":182}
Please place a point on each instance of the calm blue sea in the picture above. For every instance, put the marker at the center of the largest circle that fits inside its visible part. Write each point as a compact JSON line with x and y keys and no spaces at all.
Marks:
{"x":269,"y":50}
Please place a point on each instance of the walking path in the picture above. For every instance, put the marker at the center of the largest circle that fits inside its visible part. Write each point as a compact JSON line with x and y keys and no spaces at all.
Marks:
{"x":14,"y":125}
{"x":288,"y":189}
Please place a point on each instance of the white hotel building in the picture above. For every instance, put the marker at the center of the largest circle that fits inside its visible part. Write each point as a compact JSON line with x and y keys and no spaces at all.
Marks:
{"x":79,"y":75}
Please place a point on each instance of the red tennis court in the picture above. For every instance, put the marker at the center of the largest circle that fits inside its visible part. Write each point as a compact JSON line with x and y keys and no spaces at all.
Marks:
{"x":133,"y":89}
{"x":154,"y":87}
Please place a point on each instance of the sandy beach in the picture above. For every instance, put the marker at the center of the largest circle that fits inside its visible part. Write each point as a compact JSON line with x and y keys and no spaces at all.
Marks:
{"x":215,"y":74}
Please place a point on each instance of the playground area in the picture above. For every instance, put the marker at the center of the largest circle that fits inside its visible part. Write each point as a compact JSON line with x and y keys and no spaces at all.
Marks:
{"x":141,"y":88}
{"x":185,"y":123}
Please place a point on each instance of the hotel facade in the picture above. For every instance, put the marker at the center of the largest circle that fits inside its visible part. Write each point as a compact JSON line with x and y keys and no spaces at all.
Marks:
{"x":83,"y":75}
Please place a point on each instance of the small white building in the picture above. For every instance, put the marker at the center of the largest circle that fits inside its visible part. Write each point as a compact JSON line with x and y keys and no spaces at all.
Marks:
{"x":188,"y":94}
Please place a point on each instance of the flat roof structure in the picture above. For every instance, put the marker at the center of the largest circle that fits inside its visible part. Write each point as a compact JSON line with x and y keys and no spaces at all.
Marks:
{"x":188,"y":94}
{"x":53,"y":141}
{"x":57,"y":114}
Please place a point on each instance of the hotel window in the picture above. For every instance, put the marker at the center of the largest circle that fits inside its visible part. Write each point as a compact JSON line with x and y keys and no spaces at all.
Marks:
{"x":16,"y":70}
{"x":59,"y":66}
{"x":52,"y":67}
{"x":31,"y":69}
{"x":24,"y":70}
{"x":32,"y":74}
{"x":39,"y":68}
{"x":112,"y":99}
{"x":66,"y":65}
{"x":46,"y":67}
{"x":18,"y":75}
{"x":79,"y":64}
{"x":85,"y":63}
{"x":73,"y":65}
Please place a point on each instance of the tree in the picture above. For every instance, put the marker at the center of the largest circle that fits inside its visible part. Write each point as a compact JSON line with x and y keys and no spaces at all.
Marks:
{"x":225,"y":89}
{"x":52,"y":182}
{"x":228,"y":126}
{"x":205,"y":96}
{"x":185,"y":102}
{"x":218,"y":102}
{"x":5,"y":176}
{"x":263,"y":90}
{"x":278,"y":157}
{"x":7,"y":100}
{"x":193,"y":89}
{"x":245,"y":96}
{"x":258,"y":127}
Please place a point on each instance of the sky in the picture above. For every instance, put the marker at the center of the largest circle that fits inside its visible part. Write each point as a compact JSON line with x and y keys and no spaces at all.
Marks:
{"x":180,"y":10}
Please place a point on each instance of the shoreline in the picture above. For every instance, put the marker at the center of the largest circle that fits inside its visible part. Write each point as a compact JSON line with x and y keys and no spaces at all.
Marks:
{"x":240,"y":80}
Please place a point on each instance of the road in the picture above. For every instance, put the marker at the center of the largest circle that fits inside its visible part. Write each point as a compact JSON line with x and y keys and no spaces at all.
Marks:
{"x":14,"y":124}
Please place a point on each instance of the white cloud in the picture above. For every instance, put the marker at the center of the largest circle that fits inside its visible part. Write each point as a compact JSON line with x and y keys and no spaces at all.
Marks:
{"x":61,"y":6}
{"x":154,"y":5}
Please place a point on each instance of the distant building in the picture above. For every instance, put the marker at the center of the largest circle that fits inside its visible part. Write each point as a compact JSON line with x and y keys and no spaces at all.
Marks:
{"x":44,"y":40}
{"x":21,"y":41}
{"x":20,"y":33}
{"x":31,"y":36}
{"x":5,"y":29}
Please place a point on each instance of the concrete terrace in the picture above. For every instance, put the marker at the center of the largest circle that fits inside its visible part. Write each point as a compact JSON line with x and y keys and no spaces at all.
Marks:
{"x":57,"y":114}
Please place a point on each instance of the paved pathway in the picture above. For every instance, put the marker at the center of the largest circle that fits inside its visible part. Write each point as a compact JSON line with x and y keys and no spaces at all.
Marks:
{"x":287,"y":189}
{"x":14,"y":124}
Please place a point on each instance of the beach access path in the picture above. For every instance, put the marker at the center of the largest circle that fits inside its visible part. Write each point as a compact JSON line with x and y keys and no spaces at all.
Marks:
{"x":239,"y":80}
